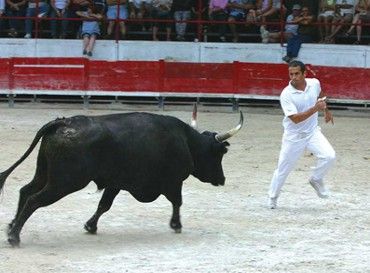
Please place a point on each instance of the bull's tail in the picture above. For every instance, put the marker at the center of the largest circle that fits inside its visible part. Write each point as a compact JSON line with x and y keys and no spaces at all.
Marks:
{"x":44,"y":130}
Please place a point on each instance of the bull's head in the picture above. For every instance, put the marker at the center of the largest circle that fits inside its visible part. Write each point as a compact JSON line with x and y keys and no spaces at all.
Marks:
{"x":208,"y":161}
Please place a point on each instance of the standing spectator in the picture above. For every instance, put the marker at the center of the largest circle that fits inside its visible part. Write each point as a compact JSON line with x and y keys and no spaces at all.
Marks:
{"x":181,"y":13}
{"x":59,"y":9}
{"x":90,"y":28}
{"x":217,"y":11}
{"x":39,"y":8}
{"x":291,"y":28}
{"x":305,"y":34}
{"x":362,"y":10}
{"x":117,"y":10}
{"x":325,"y":18}
{"x":140,"y":9}
{"x":15,"y":8}
{"x":301,"y":101}
{"x":162,"y":11}
{"x":344,"y":15}
{"x":237,"y":13}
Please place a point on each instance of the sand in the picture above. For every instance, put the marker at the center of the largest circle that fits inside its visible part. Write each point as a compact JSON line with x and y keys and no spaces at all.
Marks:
{"x":225,"y":229}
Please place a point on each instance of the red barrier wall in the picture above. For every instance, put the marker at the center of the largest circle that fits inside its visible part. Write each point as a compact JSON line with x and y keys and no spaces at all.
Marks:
{"x":171,"y":77}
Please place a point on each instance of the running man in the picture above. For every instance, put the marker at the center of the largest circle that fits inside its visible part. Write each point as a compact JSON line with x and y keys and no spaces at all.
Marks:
{"x":301,"y":101}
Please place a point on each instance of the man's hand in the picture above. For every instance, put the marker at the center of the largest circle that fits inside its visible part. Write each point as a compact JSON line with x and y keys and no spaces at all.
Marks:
{"x":328,"y":116}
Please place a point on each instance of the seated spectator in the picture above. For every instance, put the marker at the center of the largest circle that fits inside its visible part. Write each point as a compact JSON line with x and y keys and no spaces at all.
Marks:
{"x":116,"y":10}
{"x":2,"y":13}
{"x":140,"y":9}
{"x":325,"y":17}
{"x":264,"y":10}
{"x":291,"y":28}
{"x":74,"y":6}
{"x":90,"y":28}
{"x":305,"y":34}
{"x":59,"y":9}
{"x":362,"y":10}
{"x":217,"y":11}
{"x":237,"y":12}
{"x":39,"y":8}
{"x":344,"y":15}
{"x":162,"y":11}
{"x":15,"y":8}
{"x":181,"y":13}
{"x":199,"y":11}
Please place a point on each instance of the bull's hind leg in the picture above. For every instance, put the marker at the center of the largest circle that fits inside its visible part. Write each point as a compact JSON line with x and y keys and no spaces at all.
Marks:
{"x":25,"y":192}
{"x":47,"y":196}
{"x":36,"y":185}
{"x":173,"y":194}
{"x":104,"y":205}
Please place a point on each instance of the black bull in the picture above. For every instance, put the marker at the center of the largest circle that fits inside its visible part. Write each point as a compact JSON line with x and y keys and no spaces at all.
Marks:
{"x":144,"y":154}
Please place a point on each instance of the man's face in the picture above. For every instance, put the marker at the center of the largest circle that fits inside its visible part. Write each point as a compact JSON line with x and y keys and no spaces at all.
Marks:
{"x":296,"y":75}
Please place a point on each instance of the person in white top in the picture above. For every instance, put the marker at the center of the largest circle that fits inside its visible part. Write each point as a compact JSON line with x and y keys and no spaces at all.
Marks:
{"x":301,"y":101}
{"x":344,"y":15}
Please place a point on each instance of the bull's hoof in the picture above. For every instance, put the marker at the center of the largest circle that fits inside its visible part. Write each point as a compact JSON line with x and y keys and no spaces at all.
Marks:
{"x":90,"y":229}
{"x":176,"y":226}
{"x":14,"y":240}
{"x":177,"y":230}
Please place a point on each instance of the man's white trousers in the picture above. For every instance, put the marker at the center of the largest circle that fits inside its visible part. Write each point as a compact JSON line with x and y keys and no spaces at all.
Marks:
{"x":292,"y":148}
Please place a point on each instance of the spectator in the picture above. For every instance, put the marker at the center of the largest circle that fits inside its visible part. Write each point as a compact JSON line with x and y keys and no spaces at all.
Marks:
{"x":90,"y":28}
{"x":181,"y":13}
{"x":305,"y":34}
{"x":2,"y":13}
{"x":15,"y":8}
{"x":59,"y":9}
{"x":77,"y":5}
{"x":291,"y":28}
{"x":199,"y":11}
{"x":362,"y":10}
{"x":344,"y":15}
{"x":325,"y":18}
{"x":116,"y":10}
{"x":39,"y":8}
{"x":266,"y":9}
{"x":217,"y":11}
{"x":140,"y":9}
{"x":237,"y":12}
{"x":162,"y":11}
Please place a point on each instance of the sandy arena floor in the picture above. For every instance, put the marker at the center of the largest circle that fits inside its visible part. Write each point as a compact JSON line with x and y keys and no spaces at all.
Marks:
{"x":225,"y":229}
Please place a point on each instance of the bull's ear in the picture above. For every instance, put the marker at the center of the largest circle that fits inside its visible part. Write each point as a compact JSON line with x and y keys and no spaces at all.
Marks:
{"x":226,"y":143}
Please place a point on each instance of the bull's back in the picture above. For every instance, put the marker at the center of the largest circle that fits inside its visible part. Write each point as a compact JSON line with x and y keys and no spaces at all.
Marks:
{"x":131,"y":151}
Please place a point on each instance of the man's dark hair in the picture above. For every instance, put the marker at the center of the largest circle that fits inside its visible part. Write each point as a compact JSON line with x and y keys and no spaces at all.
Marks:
{"x":296,"y":63}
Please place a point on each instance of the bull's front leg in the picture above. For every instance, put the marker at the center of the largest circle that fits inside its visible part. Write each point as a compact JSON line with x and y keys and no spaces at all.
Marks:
{"x":174,"y":196}
{"x":175,"y":222}
{"x":105,"y":203}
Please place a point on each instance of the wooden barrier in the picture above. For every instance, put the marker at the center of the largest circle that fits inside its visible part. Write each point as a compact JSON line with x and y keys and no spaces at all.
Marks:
{"x":66,"y":76}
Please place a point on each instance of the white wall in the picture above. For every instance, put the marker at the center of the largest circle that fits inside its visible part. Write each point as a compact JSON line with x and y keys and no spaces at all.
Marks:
{"x":317,"y":54}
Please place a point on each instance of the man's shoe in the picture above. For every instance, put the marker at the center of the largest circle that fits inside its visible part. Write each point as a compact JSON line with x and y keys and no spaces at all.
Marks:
{"x":320,"y":189}
{"x":27,"y":36}
{"x":272,"y":202}
{"x":286,"y":59}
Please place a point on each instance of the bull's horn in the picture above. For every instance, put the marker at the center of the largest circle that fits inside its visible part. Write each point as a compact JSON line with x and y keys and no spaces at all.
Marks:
{"x":224,"y":136}
{"x":193,"y":122}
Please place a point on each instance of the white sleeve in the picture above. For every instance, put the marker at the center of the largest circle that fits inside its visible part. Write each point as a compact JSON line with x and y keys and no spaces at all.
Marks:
{"x":287,"y":105}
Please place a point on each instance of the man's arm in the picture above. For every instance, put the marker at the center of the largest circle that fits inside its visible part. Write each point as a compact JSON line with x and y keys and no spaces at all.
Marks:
{"x":299,"y":117}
